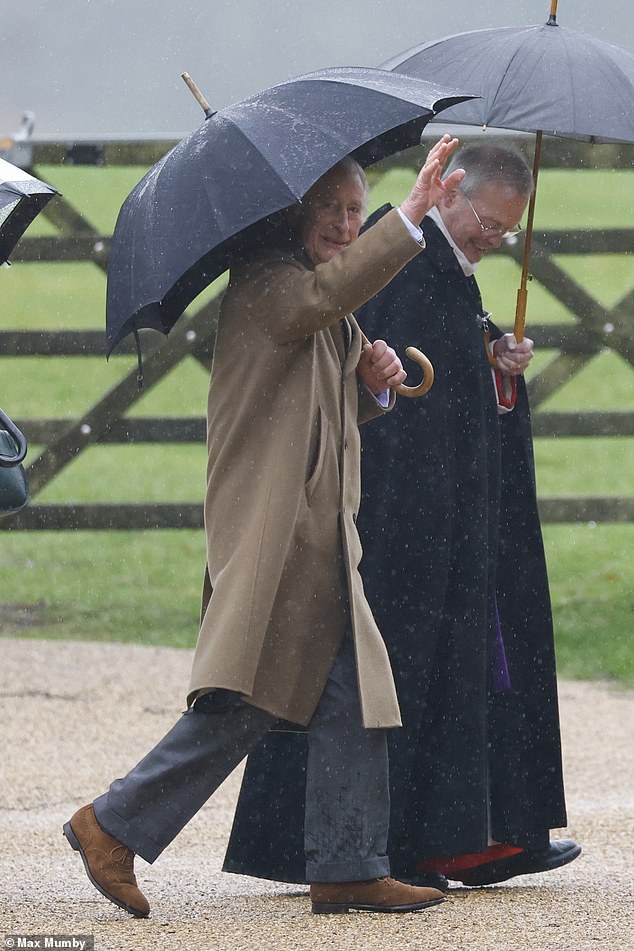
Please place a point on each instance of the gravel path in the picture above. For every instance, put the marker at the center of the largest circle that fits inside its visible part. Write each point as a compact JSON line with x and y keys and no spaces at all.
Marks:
{"x":73,"y":716}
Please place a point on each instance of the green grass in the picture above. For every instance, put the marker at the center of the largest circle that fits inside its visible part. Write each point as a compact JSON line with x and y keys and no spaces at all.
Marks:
{"x":145,"y":586}
{"x":591,"y":573}
{"x":584,"y":467}
{"x":106,"y":586}
{"x":150,"y":473}
{"x":604,"y":383}
{"x":59,"y":386}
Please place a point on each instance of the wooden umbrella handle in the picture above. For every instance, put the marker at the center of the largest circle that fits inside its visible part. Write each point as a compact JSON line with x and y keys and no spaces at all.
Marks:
{"x":428,"y":375}
{"x":428,"y":372}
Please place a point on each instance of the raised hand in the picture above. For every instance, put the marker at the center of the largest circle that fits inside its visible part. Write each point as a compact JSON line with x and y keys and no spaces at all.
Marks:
{"x":428,"y":187}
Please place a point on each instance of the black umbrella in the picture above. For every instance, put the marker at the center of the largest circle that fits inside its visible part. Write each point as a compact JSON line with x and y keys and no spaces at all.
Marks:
{"x":22,"y":197}
{"x":216,"y":191}
{"x":543,"y":79}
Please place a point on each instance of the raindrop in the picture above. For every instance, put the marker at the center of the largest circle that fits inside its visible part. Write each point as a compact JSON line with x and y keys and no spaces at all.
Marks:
{"x":85,"y":429}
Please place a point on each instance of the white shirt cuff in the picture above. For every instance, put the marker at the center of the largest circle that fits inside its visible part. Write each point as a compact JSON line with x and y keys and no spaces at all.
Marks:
{"x":383,"y":399}
{"x":413,"y":229}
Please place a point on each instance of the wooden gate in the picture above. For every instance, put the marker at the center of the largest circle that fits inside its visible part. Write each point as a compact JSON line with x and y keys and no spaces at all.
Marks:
{"x":595,"y":328}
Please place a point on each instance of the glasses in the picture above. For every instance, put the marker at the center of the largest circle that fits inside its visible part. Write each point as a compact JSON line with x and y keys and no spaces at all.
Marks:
{"x":492,"y":231}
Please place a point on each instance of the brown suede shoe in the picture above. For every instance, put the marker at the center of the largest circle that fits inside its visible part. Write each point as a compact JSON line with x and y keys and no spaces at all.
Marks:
{"x":380,"y":894}
{"x":109,"y":864}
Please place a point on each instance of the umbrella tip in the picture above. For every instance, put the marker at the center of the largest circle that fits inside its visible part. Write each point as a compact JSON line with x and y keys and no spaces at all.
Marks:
{"x":198,"y":96}
{"x":552,"y":19}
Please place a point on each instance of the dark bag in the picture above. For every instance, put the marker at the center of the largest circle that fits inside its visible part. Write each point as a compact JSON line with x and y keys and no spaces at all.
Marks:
{"x":14,"y":492}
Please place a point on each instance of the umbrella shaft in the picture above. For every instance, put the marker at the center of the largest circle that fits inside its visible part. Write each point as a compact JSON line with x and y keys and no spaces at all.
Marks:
{"x":552,"y":19}
{"x":520,"y":314}
{"x":520,"y":310}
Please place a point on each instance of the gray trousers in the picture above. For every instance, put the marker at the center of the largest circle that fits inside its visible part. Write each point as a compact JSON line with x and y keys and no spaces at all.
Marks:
{"x":347,"y":790}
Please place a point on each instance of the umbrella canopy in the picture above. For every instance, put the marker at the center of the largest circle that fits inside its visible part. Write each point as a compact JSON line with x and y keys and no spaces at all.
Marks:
{"x":214,"y":192}
{"x":533,"y":78}
{"x":542,"y":79}
{"x":22,"y":197}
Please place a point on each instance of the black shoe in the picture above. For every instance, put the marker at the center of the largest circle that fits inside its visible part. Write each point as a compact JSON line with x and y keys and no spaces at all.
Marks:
{"x":558,"y":853}
{"x":426,"y":880}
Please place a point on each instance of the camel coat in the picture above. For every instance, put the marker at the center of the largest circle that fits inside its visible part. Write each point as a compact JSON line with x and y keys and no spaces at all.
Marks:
{"x":283,"y":485}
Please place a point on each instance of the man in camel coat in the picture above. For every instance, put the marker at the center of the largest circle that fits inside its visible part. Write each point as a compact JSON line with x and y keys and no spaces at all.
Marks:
{"x":286,"y":630}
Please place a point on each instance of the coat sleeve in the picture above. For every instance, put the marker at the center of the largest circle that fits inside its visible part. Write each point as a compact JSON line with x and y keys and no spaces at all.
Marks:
{"x":369,"y":406}
{"x":295,"y":302}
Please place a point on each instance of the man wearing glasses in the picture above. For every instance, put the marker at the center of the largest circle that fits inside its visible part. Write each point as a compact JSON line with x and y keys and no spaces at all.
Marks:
{"x":454,"y":570}
{"x":476,"y":772}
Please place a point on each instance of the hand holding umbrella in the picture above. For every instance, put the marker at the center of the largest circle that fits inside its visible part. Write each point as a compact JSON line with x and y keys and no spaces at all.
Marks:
{"x":379,"y":367}
{"x":513,"y":356}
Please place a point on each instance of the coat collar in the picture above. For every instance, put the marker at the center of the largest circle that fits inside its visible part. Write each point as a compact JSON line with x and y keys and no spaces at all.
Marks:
{"x":467,"y":268}
{"x":442,"y":258}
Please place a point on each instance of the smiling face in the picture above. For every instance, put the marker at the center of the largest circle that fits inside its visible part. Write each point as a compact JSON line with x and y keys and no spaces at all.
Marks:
{"x":497,"y":206}
{"x":332,"y":214}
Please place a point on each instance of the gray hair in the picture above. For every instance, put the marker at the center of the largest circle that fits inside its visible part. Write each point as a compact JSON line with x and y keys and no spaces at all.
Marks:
{"x":491,"y":163}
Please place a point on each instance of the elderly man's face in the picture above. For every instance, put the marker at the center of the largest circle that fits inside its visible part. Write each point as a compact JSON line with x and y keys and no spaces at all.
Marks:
{"x":333,"y":215}
{"x":497,"y":207}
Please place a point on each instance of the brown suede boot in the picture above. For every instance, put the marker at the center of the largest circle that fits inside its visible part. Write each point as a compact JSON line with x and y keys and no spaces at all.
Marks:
{"x":380,"y":894}
{"x":109,"y":864}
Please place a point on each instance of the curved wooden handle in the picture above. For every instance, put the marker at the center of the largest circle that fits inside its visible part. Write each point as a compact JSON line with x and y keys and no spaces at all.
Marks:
{"x":428,"y":375}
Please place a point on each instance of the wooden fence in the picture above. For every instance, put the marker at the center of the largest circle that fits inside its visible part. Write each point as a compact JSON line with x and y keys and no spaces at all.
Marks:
{"x":595,"y":329}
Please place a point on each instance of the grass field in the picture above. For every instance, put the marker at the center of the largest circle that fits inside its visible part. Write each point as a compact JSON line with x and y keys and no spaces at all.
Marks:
{"x":144,"y":586}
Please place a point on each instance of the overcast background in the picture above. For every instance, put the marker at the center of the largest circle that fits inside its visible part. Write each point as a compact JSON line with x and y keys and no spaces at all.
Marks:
{"x":107,"y":68}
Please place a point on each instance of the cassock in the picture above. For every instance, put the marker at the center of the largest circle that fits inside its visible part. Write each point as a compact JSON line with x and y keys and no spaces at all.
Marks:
{"x":455,"y":573}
